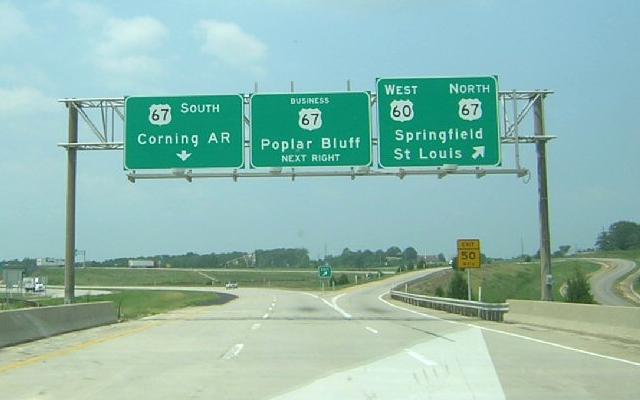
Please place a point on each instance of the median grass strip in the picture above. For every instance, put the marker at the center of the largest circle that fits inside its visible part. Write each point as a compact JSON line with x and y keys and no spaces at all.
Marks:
{"x":140,"y":303}
{"x":501,"y":281}
{"x":126,"y":277}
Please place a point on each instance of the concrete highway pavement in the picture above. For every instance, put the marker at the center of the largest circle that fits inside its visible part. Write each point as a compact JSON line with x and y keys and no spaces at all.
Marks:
{"x":352,"y":344}
{"x":603,"y":283}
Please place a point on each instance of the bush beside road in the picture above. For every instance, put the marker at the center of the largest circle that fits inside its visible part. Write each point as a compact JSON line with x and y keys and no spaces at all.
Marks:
{"x":502,"y":281}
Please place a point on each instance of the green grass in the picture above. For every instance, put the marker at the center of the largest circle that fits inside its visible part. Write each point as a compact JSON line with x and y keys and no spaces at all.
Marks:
{"x":139,"y":303}
{"x":501,"y":281}
{"x":125,"y":277}
{"x":152,"y":277}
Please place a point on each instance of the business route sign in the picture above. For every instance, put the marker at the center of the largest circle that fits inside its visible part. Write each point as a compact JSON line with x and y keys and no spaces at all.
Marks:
{"x":183,"y":132}
{"x":310,"y":129}
{"x":430,"y":122}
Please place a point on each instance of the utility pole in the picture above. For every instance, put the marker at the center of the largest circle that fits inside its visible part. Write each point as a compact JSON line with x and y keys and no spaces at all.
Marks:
{"x":546,"y":279}
{"x":70,"y":244}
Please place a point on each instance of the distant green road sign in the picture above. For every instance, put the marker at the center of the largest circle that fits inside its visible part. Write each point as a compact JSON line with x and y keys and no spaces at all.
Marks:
{"x":324,"y":271}
{"x":429,"y":122}
{"x":183,"y":132}
{"x":310,"y":129}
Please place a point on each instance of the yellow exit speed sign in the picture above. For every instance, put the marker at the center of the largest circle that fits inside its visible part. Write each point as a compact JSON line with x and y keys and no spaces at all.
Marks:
{"x":468,"y":253}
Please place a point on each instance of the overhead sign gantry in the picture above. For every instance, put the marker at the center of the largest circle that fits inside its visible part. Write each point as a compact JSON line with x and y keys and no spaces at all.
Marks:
{"x":458,"y":126}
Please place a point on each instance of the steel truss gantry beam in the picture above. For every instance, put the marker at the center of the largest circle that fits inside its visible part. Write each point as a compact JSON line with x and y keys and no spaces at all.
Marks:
{"x":106,"y":125}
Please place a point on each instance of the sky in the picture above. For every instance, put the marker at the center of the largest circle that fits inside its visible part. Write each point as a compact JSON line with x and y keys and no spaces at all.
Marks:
{"x":586,"y":52}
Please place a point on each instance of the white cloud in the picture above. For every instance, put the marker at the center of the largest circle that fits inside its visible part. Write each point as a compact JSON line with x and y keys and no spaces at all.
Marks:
{"x":24,"y":100}
{"x":229,"y":44}
{"x":88,"y":14}
{"x":12,"y":23}
{"x":127,"y":47}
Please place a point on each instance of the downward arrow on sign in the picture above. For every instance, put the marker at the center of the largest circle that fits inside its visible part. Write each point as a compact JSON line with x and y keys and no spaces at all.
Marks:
{"x":183,"y":155}
{"x":478,"y":151}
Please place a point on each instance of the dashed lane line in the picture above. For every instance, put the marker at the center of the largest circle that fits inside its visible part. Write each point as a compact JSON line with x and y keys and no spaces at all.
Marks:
{"x":233,"y":352}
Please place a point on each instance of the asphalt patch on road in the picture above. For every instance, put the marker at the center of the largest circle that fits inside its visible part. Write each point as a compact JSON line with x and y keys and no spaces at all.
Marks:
{"x":308,"y":309}
{"x":428,"y":333}
{"x":223,"y":298}
{"x":378,"y":310}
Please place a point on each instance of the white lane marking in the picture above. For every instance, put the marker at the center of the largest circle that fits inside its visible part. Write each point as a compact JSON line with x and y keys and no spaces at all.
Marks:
{"x":334,"y":301}
{"x":370,"y":329}
{"x":560,"y":346}
{"x":411,"y":311}
{"x":255,"y":326}
{"x":420,"y":358}
{"x":270,"y":309}
{"x":265,"y":316}
{"x":333,"y":306}
{"x":516,"y":335}
{"x":233,"y":352}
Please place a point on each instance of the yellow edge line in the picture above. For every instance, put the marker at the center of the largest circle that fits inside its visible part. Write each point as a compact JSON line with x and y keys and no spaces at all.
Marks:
{"x":72,"y":349}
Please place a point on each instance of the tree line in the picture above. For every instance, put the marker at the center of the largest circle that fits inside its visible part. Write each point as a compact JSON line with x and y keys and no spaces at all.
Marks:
{"x":394,"y":256}
{"x":621,"y":235}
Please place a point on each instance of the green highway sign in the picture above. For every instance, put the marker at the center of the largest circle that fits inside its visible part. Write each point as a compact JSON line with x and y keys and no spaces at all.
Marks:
{"x":183,"y":132}
{"x":430,"y":122}
{"x":310,"y":129}
{"x":324,"y":271}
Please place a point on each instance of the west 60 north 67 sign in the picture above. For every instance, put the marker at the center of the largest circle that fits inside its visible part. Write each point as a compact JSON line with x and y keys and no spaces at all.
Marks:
{"x":430,"y":122}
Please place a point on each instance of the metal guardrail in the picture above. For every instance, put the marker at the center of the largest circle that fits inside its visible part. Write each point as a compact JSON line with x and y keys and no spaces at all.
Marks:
{"x":486,"y":311}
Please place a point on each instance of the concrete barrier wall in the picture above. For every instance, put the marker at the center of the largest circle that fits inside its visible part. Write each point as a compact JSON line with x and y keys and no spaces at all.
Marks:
{"x":17,"y":326}
{"x":620,"y":322}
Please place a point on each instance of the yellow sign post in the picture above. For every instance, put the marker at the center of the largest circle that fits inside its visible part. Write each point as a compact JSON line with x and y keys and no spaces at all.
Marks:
{"x":468,"y":253}
{"x":468,"y":257}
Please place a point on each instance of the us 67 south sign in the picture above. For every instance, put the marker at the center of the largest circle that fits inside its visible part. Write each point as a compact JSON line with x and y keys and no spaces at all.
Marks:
{"x":183,"y":132}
